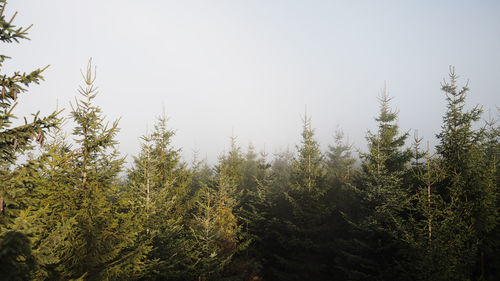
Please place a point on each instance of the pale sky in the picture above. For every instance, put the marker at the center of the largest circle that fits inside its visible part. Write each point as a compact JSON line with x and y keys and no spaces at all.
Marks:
{"x":253,"y":66}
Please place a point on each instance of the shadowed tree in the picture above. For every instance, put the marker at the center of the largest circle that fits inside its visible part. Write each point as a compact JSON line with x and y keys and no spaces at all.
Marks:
{"x":17,"y":261}
{"x":382,"y":201}
{"x":468,"y":188}
{"x":14,"y":140}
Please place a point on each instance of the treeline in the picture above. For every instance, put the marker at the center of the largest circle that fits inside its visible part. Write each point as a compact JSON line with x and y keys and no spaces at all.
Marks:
{"x":400,"y":211}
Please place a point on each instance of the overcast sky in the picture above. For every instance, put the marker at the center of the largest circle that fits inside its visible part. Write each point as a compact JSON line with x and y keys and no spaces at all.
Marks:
{"x":253,"y":66}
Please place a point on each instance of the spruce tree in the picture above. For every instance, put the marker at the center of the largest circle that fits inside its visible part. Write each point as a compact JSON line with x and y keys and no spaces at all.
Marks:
{"x":18,"y":262}
{"x":15,"y":139}
{"x":235,"y":177}
{"x":309,"y":173}
{"x":425,"y":246}
{"x":158,"y":191}
{"x":300,"y":225}
{"x":468,"y":187}
{"x":252,"y":214}
{"x":49,"y":221}
{"x":340,"y":170}
{"x":232,"y":165}
{"x":139,"y":184}
{"x":372,"y":251}
{"x":201,"y":172}
{"x":282,"y":168}
{"x":489,"y":267}
{"x":339,"y":160}
{"x":101,"y":243}
{"x":214,"y":230}
{"x":169,"y":173}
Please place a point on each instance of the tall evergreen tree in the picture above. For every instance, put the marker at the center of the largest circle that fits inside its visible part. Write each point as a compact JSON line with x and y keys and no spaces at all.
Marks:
{"x":158,"y":190}
{"x":427,"y":231}
{"x":339,"y":164}
{"x":282,"y":168}
{"x":14,"y":140}
{"x":48,"y":220}
{"x":169,"y":172}
{"x":201,"y":172}
{"x":468,"y":187}
{"x":232,"y":164}
{"x":300,"y":227}
{"x":372,"y":251}
{"x":215,"y":230}
{"x":489,"y":268}
{"x":252,"y":214}
{"x":101,"y":244}
{"x":309,"y":173}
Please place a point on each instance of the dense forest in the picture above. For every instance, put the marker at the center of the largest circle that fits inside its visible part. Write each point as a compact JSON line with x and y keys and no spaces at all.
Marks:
{"x":402,"y":210}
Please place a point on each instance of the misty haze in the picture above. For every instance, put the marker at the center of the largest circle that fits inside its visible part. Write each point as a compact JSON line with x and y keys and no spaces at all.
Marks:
{"x":249,"y":140}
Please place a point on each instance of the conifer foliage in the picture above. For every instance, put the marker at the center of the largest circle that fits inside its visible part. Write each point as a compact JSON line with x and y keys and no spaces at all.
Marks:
{"x":370,"y":251}
{"x":12,"y":87}
{"x":468,"y":187}
{"x":157,"y":191}
{"x":15,"y":139}
{"x":101,"y":243}
{"x":17,"y":260}
{"x":71,"y":211}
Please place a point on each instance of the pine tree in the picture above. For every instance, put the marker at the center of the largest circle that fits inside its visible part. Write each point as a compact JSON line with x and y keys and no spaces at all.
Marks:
{"x":273,"y":207}
{"x":101,"y":244}
{"x":201,"y":172}
{"x":139,"y":184}
{"x":232,"y":165}
{"x":340,"y":172}
{"x":282,"y":168}
{"x":252,"y":214}
{"x":385,"y":165}
{"x":17,"y":139}
{"x":14,"y":140}
{"x":158,"y":189}
{"x":169,"y":171}
{"x":339,"y":164}
{"x":468,"y":187}
{"x":214,"y":230}
{"x":236,"y":181}
{"x":372,"y":251}
{"x":300,"y":227}
{"x":248,"y":185}
{"x":425,"y":250}
{"x":309,"y":173}
{"x":49,"y":221}
{"x":18,"y":261}
{"x":489,"y":268}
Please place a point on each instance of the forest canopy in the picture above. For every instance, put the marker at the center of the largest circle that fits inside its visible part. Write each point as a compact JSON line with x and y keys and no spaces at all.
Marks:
{"x":401,"y":210}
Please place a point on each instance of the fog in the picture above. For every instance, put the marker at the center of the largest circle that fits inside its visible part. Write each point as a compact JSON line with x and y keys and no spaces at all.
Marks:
{"x":253,"y":67}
